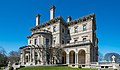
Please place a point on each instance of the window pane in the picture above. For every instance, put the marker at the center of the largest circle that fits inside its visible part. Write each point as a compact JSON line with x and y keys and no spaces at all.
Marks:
{"x":84,"y":39}
{"x":35,"y":42}
{"x":54,"y":28}
{"x":76,"y":29}
{"x":62,"y":42}
{"x":47,"y":41}
{"x":84,"y":27}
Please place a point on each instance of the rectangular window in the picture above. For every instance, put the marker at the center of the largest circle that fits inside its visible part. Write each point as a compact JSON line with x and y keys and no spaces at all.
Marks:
{"x":35,"y":42}
{"x":76,"y":29}
{"x":62,"y":30}
{"x":47,"y":42}
{"x":84,"y":39}
{"x":62,"y":42}
{"x":54,"y":28}
{"x":30,"y":42}
{"x":84,"y":28}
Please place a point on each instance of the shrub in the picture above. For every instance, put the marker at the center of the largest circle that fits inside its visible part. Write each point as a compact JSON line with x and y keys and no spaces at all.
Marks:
{"x":11,"y":68}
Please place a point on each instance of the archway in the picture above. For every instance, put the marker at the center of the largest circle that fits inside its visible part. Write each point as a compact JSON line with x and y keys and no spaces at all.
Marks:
{"x":63,"y":57}
{"x":81,"y":57}
{"x":72,"y":57}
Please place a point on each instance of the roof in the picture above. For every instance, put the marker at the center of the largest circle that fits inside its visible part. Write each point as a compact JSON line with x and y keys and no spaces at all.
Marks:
{"x":84,"y":18}
{"x":47,"y":23}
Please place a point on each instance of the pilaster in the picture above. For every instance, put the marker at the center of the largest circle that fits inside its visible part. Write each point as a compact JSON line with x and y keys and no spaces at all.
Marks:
{"x":76,"y":58}
{"x":67,"y":58}
{"x":33,"y":51}
{"x":87,"y":60}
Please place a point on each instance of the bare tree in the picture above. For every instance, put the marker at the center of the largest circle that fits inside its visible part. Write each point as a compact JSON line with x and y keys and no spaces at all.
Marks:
{"x":13,"y":56}
{"x":3,"y":57}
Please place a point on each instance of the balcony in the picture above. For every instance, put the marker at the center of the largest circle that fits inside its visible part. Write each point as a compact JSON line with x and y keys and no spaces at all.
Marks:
{"x":76,"y":43}
{"x":42,"y":31}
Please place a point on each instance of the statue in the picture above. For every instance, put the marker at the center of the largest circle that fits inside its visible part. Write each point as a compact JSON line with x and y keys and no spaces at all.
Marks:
{"x":113,"y":58}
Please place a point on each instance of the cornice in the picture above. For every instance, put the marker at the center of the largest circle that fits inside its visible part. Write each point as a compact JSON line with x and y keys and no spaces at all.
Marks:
{"x":60,"y":19}
{"x":83,"y":19}
{"x":53,"y":21}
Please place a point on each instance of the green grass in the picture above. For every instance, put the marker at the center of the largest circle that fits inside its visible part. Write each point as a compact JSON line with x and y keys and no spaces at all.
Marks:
{"x":53,"y":68}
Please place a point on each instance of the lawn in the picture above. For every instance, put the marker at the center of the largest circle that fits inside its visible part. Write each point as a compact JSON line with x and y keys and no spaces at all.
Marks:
{"x":53,"y":68}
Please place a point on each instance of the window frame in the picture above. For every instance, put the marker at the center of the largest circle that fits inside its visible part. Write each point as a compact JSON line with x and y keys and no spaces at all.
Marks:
{"x":54,"y":29}
{"x":84,"y":27}
{"x":35,"y":41}
{"x":76,"y":29}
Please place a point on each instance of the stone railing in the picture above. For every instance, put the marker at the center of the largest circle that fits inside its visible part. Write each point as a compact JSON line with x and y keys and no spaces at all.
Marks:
{"x":42,"y":31}
{"x":77,"y":43}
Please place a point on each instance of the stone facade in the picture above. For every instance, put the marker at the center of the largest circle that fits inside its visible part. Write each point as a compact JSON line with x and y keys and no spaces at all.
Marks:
{"x":59,"y":42}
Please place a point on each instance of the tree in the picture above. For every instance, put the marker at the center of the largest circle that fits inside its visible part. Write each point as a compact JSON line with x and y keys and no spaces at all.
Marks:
{"x":13,"y":56}
{"x":3,"y":57}
{"x":100,"y":56}
{"x":108,"y":57}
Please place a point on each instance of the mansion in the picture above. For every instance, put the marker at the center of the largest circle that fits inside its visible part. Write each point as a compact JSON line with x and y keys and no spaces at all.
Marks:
{"x":58,"y":41}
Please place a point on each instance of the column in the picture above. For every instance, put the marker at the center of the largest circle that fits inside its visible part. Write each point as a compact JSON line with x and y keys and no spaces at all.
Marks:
{"x":87,"y":57}
{"x":38,"y":40}
{"x":41,"y":59}
{"x":38,"y":58}
{"x":33,"y":56}
{"x":23,"y":56}
{"x":28,"y":58}
{"x":30,"y":54}
{"x":76,"y":58}
{"x":67,"y":58}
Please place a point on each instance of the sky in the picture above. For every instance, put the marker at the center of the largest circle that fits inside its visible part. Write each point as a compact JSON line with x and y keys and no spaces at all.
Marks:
{"x":18,"y":16}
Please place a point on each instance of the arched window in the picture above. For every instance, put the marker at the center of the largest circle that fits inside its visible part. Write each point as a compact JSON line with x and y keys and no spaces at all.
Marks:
{"x":35,"y":42}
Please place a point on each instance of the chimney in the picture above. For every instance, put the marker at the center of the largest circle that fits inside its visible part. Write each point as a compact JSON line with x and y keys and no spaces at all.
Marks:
{"x":69,"y":18}
{"x":52,"y":12}
{"x":37,"y":19}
